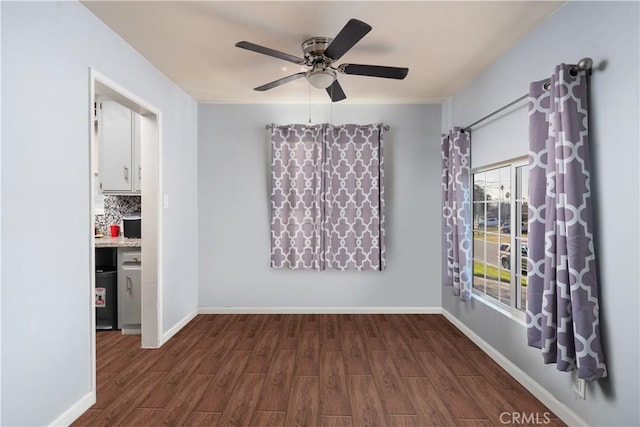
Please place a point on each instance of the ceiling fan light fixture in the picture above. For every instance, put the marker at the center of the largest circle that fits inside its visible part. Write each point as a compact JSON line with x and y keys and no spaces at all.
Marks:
{"x":321,"y":78}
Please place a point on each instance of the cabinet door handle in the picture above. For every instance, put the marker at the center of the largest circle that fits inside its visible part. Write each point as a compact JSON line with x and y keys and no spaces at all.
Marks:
{"x":129,"y":285}
{"x":126,"y":173}
{"x":139,"y":172}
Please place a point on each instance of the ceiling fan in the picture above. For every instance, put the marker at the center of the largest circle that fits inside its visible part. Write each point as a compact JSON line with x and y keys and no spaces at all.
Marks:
{"x":320,"y":53}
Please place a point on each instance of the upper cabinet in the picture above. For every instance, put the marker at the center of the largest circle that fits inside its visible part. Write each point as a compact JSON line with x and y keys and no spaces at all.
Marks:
{"x":137,"y":168}
{"x":119,"y":147}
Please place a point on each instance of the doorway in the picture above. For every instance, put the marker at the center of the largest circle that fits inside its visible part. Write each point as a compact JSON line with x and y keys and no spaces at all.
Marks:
{"x":151,"y":185}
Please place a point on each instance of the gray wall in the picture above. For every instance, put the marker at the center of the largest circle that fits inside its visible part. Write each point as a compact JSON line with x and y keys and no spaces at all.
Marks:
{"x":233,"y":169}
{"x":605,"y":31}
{"x":47,"y":49}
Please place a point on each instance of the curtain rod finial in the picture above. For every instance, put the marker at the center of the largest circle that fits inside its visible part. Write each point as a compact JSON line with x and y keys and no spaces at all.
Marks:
{"x":585,"y":63}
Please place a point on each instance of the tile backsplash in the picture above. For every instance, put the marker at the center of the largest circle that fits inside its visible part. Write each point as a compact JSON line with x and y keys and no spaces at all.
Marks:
{"x":114,"y":208}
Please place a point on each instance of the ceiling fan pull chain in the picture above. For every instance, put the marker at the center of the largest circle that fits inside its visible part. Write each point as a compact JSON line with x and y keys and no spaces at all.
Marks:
{"x":331,"y":107}
{"x":309,"y":84}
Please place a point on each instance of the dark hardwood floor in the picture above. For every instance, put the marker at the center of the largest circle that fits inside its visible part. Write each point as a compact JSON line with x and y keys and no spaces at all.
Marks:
{"x":307,"y":370}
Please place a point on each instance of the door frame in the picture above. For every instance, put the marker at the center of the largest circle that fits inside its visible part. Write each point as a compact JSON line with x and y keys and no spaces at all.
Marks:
{"x":151,"y":162}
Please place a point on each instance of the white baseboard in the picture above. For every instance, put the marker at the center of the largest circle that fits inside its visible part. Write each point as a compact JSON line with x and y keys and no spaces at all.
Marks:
{"x":320,"y":310}
{"x":80,"y":407}
{"x":77,"y":409}
{"x":131,"y":329}
{"x":560,"y":409}
{"x":176,"y":328}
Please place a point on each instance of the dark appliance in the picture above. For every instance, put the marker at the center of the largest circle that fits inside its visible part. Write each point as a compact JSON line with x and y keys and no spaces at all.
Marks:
{"x":106,"y":298}
{"x":132,"y":224}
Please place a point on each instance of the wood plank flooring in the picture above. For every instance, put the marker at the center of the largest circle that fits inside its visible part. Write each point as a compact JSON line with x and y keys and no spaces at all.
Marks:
{"x":306,"y":370}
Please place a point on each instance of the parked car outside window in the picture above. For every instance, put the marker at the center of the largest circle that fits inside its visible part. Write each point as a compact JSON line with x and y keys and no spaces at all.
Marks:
{"x":506,"y":227}
{"x":490,"y":222}
{"x":504,"y":257}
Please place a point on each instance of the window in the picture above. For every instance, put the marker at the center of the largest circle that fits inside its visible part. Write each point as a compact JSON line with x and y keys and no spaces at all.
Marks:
{"x":500,"y":217}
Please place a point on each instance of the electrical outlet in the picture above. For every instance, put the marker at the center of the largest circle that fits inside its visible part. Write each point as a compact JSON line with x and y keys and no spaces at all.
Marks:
{"x":579,"y":385}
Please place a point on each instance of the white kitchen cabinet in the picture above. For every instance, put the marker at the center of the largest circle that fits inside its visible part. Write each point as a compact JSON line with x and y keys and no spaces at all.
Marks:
{"x":119,"y":148}
{"x":137,"y":165}
{"x":129,"y":290}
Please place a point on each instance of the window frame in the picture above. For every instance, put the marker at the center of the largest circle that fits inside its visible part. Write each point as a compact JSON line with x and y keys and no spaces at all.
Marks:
{"x":515,"y":213}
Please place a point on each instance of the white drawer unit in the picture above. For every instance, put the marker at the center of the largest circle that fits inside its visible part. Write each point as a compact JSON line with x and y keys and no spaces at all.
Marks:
{"x":131,"y":256}
{"x":129,"y":290}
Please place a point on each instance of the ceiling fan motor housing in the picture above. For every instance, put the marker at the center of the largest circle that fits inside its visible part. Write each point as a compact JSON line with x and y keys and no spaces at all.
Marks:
{"x":321,"y":75}
{"x":314,"y":48}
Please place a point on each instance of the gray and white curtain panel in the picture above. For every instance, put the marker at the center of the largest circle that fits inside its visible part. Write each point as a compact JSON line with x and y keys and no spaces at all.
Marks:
{"x":562,"y":290}
{"x":327,"y":197}
{"x":456,"y":212}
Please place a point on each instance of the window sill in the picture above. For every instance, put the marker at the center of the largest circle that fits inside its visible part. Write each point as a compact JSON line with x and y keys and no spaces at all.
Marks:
{"x":510,"y":312}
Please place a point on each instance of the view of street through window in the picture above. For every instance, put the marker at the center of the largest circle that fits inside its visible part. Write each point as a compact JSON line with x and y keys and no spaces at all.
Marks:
{"x":499,"y":223}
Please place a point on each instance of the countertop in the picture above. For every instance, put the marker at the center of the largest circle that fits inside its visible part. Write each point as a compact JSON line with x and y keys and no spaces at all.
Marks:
{"x":117,"y":242}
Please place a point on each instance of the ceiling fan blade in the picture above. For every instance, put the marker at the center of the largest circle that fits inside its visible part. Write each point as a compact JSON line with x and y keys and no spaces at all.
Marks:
{"x":271,"y":52}
{"x":279,"y":82}
{"x":374,"y":71}
{"x":335,"y":92}
{"x":347,"y":38}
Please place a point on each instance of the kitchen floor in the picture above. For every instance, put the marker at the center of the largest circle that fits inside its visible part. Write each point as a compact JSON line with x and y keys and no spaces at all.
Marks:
{"x":295,"y":369}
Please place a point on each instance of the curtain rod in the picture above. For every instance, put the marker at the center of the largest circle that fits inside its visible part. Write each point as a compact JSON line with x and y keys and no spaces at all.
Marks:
{"x":583,"y":64}
{"x":271,"y":126}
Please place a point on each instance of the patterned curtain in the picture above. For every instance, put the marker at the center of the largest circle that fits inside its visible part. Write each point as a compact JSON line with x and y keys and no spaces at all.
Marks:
{"x":296,"y":188}
{"x":354,"y":198}
{"x":456,"y":212}
{"x":327,"y":197}
{"x":562,"y":291}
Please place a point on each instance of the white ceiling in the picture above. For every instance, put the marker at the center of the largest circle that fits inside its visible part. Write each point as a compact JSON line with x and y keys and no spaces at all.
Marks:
{"x":445,"y":44}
